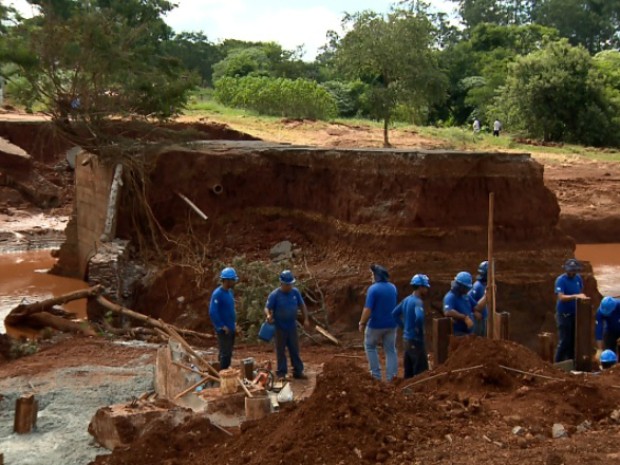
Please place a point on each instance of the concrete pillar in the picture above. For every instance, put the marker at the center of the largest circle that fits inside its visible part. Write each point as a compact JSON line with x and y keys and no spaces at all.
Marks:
{"x":442,"y":330}
{"x":584,"y":338}
{"x":546,"y":346}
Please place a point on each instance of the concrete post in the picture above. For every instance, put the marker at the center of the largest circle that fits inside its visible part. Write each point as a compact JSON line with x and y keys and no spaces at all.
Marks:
{"x":442,"y":330}
{"x":546,"y":346}
{"x":584,"y":338}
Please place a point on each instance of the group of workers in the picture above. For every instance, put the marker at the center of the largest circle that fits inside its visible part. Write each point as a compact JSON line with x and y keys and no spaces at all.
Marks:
{"x":282,"y":308}
{"x":465,"y":303}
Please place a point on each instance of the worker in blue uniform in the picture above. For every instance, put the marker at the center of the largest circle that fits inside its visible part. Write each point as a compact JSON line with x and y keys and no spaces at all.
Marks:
{"x":478,"y":291}
{"x":607,"y":329}
{"x":409,"y":315}
{"x":568,"y":289}
{"x":282,"y":308}
{"x":459,"y":305}
{"x":223,"y":315}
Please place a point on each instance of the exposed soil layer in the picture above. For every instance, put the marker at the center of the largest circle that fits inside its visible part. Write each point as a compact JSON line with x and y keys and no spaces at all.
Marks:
{"x":352,"y":419}
{"x":412,"y":211}
{"x":589,"y":195}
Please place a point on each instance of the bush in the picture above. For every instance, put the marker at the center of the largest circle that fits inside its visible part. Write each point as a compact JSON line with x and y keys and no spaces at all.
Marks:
{"x":299,"y":98}
{"x":349,"y":97}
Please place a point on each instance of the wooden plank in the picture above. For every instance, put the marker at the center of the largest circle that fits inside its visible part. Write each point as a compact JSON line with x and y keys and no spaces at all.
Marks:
{"x":584,"y":342}
{"x":26,"y":409}
{"x":327,"y":334}
{"x":491,"y":271}
{"x":442,"y":329}
{"x":546,"y":346}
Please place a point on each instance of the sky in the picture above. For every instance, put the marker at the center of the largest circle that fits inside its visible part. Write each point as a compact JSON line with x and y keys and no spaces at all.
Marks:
{"x":288,"y":22}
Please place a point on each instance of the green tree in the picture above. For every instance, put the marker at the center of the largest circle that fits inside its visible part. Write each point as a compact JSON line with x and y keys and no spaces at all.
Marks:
{"x":501,"y":12}
{"x":393,"y":54}
{"x":196,"y":53}
{"x":243,"y":62}
{"x":558,"y":95}
{"x":99,"y":58}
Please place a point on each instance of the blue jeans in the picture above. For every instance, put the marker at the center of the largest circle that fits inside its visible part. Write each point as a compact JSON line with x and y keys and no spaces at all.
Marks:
{"x":387,"y":338}
{"x":288,"y":339}
{"x":566,"y":337}
{"x":480,"y":327}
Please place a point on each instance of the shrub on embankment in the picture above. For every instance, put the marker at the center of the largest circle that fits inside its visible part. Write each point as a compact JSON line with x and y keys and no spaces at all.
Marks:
{"x":298,"y":98}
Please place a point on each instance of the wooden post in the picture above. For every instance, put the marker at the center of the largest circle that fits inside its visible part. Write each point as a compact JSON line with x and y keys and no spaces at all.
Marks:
{"x":502,"y":330}
{"x":1,"y":459}
{"x":491,"y":273}
{"x":26,"y":409}
{"x":546,"y":346}
{"x":583,"y":335}
{"x":442,"y":329}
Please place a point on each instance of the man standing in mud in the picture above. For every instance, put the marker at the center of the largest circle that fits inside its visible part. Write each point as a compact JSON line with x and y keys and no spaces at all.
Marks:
{"x":459,"y":305}
{"x":223,"y":315}
{"x":568,"y":289}
{"x":379,"y":325}
{"x":282,"y":308}
{"x":409,"y":314}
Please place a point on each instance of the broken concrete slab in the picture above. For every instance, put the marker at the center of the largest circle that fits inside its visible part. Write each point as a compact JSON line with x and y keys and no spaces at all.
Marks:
{"x":281,"y":251}
{"x":13,"y":157}
{"x":120,"y":425}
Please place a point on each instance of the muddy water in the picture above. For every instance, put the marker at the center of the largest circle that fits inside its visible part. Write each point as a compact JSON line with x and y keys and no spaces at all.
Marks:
{"x":23,"y":276}
{"x":605,"y":260}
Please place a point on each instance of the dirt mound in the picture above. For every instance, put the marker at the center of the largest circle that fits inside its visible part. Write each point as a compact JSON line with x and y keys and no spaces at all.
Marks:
{"x":5,"y":348}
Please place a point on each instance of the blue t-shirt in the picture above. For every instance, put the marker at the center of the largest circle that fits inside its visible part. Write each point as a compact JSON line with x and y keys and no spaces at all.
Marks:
{"x":464,"y":304}
{"x":477,"y":292}
{"x":568,"y":286}
{"x":222,"y":309}
{"x":610,"y":322}
{"x":381,"y":299}
{"x":284,"y":306}
{"x":409,"y":315}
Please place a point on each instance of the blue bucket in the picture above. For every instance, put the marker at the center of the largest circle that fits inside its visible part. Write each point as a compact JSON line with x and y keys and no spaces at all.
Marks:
{"x":266,"y":332}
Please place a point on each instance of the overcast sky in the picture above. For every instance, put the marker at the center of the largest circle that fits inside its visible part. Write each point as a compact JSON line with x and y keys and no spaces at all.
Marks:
{"x":288,"y":22}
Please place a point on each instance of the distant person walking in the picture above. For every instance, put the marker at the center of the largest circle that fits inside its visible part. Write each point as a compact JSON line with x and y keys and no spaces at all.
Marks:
{"x":379,"y":325}
{"x":497,"y":127}
{"x":223,"y":316}
{"x":476,"y":126}
{"x":568,"y":289}
{"x":409,"y":314}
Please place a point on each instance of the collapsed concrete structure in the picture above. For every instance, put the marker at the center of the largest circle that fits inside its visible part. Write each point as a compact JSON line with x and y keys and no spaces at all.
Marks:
{"x":413,"y":211}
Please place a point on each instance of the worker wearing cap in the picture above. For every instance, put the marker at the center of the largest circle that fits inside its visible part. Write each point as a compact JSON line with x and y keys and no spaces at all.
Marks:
{"x":459,"y":305}
{"x":568,"y":289}
{"x":378,"y":324}
{"x":223,"y":315}
{"x":478,"y":292}
{"x":409,"y":315}
{"x":282,"y":307}
{"x":607,"y":330}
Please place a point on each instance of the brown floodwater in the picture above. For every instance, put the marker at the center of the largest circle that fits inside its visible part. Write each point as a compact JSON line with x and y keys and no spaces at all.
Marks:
{"x":605,"y":260}
{"x":23,"y":275}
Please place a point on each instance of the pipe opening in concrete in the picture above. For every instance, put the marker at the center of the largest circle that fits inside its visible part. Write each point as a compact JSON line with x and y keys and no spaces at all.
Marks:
{"x":217,"y":189}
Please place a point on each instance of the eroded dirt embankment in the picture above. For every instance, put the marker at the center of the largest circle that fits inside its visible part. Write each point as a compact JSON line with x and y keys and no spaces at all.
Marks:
{"x":411,"y":211}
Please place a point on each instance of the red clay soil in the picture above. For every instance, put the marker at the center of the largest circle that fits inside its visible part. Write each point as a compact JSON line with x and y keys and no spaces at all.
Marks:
{"x":351,"y":419}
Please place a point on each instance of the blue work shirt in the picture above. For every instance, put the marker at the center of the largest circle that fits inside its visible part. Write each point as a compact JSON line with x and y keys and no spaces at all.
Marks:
{"x":284,"y":306}
{"x":222,"y":309}
{"x":477,"y":292}
{"x":464,"y":304}
{"x":607,"y":323}
{"x":409,"y":315}
{"x":568,"y":286}
{"x":381,"y":299}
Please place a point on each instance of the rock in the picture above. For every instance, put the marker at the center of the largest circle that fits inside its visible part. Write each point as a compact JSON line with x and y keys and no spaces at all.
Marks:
{"x":390,"y":439}
{"x":513,"y":420}
{"x":281,"y":251}
{"x":615,"y":415}
{"x":518,"y":431}
{"x":583,"y":427}
{"x":558,"y":431}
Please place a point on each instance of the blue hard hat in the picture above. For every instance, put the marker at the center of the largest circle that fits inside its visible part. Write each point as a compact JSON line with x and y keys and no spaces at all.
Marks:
{"x":572,"y":265}
{"x":229,"y":273}
{"x":286,"y":277}
{"x":483,"y":268}
{"x":609,"y":356}
{"x":421,"y":280}
{"x":608,"y":305}
{"x":464,"y":279}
